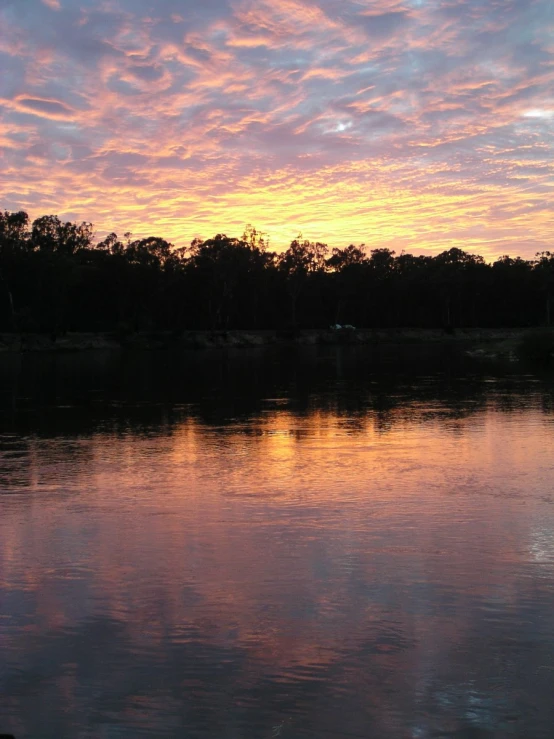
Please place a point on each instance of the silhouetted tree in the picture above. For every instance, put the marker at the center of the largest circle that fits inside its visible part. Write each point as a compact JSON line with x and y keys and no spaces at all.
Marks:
{"x":14,"y":236}
{"x":348,"y":266}
{"x":54,"y":278}
{"x":301,"y":259}
{"x":544,"y":269}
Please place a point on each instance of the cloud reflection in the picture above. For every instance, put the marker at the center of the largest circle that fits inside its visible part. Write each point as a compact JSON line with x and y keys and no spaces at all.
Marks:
{"x":220,"y":583}
{"x":332,"y":551}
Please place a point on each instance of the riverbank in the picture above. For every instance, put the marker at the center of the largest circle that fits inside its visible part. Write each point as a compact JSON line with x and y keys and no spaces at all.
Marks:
{"x":503,"y":340}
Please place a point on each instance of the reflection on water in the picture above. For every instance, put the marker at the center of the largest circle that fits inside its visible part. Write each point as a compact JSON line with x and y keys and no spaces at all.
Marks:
{"x":323,"y":544}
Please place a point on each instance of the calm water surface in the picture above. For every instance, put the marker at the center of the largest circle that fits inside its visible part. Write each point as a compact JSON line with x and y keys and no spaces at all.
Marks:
{"x":275,"y":544}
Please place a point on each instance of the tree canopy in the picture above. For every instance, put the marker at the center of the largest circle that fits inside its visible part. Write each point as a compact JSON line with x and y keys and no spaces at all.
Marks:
{"x":56,"y":277}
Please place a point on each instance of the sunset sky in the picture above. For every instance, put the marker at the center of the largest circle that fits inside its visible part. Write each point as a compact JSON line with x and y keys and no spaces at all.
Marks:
{"x":408,"y":124}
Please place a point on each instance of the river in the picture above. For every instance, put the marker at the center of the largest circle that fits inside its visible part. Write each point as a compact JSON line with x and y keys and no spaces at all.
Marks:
{"x":302,"y":543}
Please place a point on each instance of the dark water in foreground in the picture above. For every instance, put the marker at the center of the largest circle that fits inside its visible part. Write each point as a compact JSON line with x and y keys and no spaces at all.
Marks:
{"x":251,"y":545}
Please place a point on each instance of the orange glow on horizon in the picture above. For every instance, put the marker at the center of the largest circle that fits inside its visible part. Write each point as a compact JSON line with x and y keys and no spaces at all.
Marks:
{"x":399,"y":124}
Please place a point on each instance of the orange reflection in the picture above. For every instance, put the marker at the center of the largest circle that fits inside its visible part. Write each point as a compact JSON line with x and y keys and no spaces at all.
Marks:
{"x":320,"y":550}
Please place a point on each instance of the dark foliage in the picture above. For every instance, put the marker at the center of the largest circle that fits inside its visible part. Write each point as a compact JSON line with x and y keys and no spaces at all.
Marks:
{"x":55,"y":278}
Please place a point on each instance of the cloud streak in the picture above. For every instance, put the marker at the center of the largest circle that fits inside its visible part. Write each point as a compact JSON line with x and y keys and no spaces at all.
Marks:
{"x":412,"y":124}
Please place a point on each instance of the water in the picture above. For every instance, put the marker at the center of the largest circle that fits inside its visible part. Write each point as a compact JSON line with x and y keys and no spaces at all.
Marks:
{"x":317,"y":543}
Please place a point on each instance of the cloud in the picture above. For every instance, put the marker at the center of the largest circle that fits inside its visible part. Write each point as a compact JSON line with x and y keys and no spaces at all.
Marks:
{"x":44,"y":107}
{"x":389,"y":122}
{"x":383,"y":25}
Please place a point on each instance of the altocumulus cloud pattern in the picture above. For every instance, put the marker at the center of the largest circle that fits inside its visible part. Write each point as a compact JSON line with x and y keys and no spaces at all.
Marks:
{"x":408,"y":124}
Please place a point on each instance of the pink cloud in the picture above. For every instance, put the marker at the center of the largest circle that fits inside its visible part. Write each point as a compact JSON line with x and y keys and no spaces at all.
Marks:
{"x":43,"y":107}
{"x":385,"y":122}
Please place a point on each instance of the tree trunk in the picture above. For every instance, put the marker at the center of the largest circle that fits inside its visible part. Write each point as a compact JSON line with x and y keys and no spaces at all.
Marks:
{"x":12,"y":311}
{"x":9,"y":295}
{"x":448,"y":322}
{"x":337,"y":314}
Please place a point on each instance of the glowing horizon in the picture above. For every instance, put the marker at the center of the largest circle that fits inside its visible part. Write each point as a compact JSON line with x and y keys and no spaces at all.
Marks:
{"x":408,"y":124}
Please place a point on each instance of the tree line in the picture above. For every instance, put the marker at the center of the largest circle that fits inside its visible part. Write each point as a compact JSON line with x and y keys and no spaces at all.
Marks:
{"x":55,"y":277}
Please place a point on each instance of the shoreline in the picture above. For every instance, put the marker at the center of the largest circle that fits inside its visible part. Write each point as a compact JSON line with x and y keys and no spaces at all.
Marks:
{"x":504,"y":339}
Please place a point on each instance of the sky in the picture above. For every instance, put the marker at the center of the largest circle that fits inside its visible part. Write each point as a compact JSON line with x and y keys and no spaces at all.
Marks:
{"x":415,"y":125}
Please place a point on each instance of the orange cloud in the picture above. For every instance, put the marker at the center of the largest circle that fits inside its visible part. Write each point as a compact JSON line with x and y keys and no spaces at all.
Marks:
{"x":43,"y":107}
{"x":400,"y":123}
